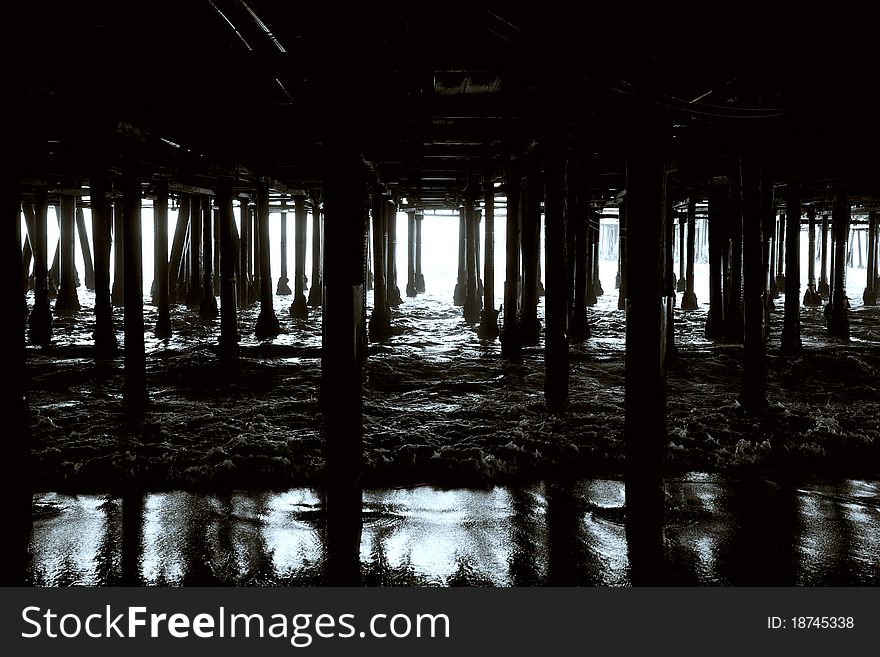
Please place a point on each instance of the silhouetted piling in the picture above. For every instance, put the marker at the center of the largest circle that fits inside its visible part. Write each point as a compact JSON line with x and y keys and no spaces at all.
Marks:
{"x":689,"y":300}
{"x":175,"y":260}
{"x":194,"y":293}
{"x":283,"y":287}
{"x":267,"y":322}
{"x":228,"y":286}
{"x":578,"y":210}
{"x":770,"y":233}
{"x":733,"y":313}
{"x":869,"y":296}
{"x":529,"y":326}
{"x":811,"y":296}
{"x":298,"y":308}
{"x":753,"y":394}
{"x":791,"y":331}
{"x":511,"y":345}
{"x":317,"y":286}
{"x":645,"y":393}
{"x":597,"y":280}
{"x":84,"y":248}
{"x":160,"y":264}
{"x":380,"y":320}
{"x":341,"y":367}
{"x":716,"y":212}
{"x":67,"y":300}
{"x":411,"y":255}
{"x":681,"y":285}
{"x":824,"y":290}
{"x":118,"y":292}
{"x":472,"y":304}
{"x":558,"y":289}
{"x":838,"y":321}
{"x":460,"y":293}
{"x":243,"y":265}
{"x":621,"y":210}
{"x":40,"y":320}
{"x":420,"y":277}
{"x":489,"y":316}
{"x":781,"y":256}
{"x":104,"y":334}
{"x":391,"y":286}
{"x":667,"y":256}
{"x":135,"y":382}
{"x":208,"y":306}
{"x":589,"y":264}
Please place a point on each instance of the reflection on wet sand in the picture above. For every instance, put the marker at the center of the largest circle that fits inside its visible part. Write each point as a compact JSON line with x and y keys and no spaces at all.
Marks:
{"x":717,"y":532}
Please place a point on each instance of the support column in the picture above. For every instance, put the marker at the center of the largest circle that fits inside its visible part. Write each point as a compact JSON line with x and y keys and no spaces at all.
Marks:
{"x":811,"y":296}
{"x":824,"y":290}
{"x":104,"y":334}
{"x":341,"y":366}
{"x":411,"y":254}
{"x":511,"y":346}
{"x":715,"y":319}
{"x":645,"y":401}
{"x":489,"y":316}
{"x":472,"y":305}
{"x":597,"y":234}
{"x":577,"y":210}
{"x":753,"y":394}
{"x":254,"y":291}
{"x":118,"y":292}
{"x":40,"y":320}
{"x":267,"y":322}
{"x":244,"y":266}
{"x":869,"y":296}
{"x":67,"y":300}
{"x":283,"y":288}
{"x":791,"y":330}
{"x":681,"y":285}
{"x":194,"y":294}
{"x":420,"y":278}
{"x":667,"y":291}
{"x":689,"y":300}
{"x":621,"y":210}
{"x":160,"y":280}
{"x":215,"y":272}
{"x":530,"y":327}
{"x":780,"y":256}
{"x":733,"y":313}
{"x":16,"y":487}
{"x":380,"y":321}
{"x":774,"y":289}
{"x":392,"y":289}
{"x":178,"y":244}
{"x":558,"y":288}
{"x":478,"y":217}
{"x":299,"y":309}
{"x":838,"y":321}
{"x":84,"y":247}
{"x":208,"y":307}
{"x":460,"y":293}
{"x":228,"y":288}
{"x":316,"y":289}
{"x":134,"y":390}
{"x":592,"y":220}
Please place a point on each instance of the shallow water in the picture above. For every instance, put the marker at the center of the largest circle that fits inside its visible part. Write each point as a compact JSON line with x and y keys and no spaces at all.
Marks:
{"x":718,"y":532}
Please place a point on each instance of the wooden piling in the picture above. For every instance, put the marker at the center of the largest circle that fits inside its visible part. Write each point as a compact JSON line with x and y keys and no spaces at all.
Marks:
{"x":160,"y":264}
